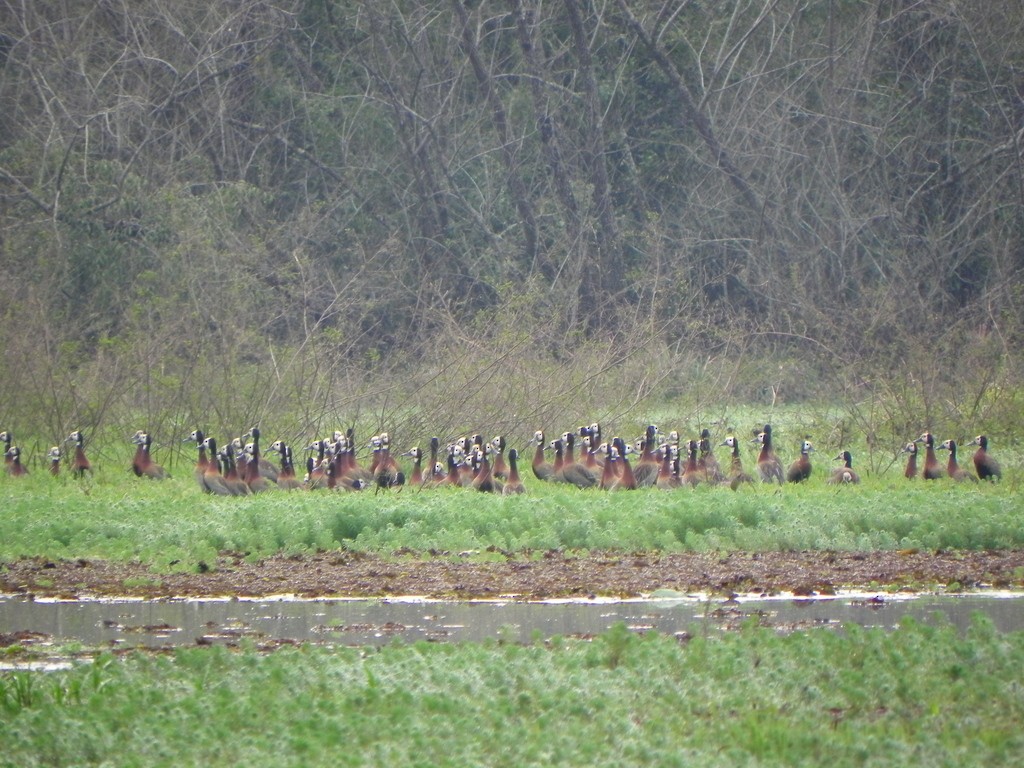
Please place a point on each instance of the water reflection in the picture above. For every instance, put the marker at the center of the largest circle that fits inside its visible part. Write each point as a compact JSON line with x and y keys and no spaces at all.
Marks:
{"x":164,"y":623}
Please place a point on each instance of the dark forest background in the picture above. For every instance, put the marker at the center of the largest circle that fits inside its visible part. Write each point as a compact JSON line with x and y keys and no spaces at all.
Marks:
{"x":450,"y":215}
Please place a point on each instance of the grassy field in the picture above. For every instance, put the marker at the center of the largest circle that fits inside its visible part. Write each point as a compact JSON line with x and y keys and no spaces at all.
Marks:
{"x":171,"y":524}
{"x":917,"y":696}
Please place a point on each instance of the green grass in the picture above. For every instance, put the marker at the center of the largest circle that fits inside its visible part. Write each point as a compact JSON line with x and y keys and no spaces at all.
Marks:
{"x":917,"y":696}
{"x":172,"y":525}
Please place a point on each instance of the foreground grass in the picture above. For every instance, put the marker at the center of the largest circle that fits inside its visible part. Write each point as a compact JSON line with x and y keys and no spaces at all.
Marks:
{"x":917,"y":696}
{"x":172,"y":525}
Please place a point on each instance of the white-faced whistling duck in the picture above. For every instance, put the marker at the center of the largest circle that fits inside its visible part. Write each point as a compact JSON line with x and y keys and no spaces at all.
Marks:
{"x":769,"y":467}
{"x":15,"y":468}
{"x":264,"y":466}
{"x":336,"y":482}
{"x":351,"y":469}
{"x":437,"y":471}
{"x":229,"y":468}
{"x":800,"y":469}
{"x":707,"y":461}
{"x":542,"y":468}
{"x":416,"y":476}
{"x":455,"y":477}
{"x":484,"y":480}
{"x":54,"y":456}
{"x":572,"y":471}
{"x":286,"y":477}
{"x":647,"y":468}
{"x":143,"y":464}
{"x":736,"y":473}
{"x":667,"y":476}
{"x":608,"y":475}
{"x":513,"y":483}
{"x":590,"y":439}
{"x":387,"y":474}
{"x":911,"y":450}
{"x":984,"y":464}
{"x":317,"y":477}
{"x":79,"y":463}
{"x":253,"y":476}
{"x":691,"y":475}
{"x":6,"y":438}
{"x":197,"y":438}
{"x":499,"y":466}
{"x":625,"y":479}
{"x":932,"y":470}
{"x":844,"y":474}
{"x":953,"y":469}
{"x":211,"y":480}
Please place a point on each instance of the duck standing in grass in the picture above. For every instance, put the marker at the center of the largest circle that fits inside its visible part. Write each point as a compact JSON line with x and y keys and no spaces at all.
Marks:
{"x":932,"y":470}
{"x":769,"y":467}
{"x":143,"y":464}
{"x":984,"y":464}
{"x":911,"y":450}
{"x":953,"y":468}
{"x":800,"y":469}
{"x":513,"y":483}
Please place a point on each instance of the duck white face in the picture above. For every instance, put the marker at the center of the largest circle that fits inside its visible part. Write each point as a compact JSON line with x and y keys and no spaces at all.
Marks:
{"x":538,"y":437}
{"x":729,"y":441}
{"x":54,"y":453}
{"x":806,"y":446}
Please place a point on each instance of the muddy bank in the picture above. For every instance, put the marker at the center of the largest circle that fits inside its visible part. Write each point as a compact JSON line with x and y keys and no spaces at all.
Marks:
{"x":525,"y":575}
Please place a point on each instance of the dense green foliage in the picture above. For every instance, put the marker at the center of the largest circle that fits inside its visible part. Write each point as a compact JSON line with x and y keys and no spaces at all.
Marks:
{"x":919,"y":695}
{"x":316,"y":210}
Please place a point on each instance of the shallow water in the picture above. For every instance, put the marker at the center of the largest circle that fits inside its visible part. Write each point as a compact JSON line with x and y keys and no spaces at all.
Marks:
{"x":167,"y":623}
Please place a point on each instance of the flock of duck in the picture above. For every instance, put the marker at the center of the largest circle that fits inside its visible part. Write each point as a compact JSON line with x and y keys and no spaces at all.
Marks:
{"x":240,"y":467}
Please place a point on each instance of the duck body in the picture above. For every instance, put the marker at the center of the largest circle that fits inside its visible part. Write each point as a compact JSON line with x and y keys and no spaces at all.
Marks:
{"x":571,"y":471}
{"x":79,"y":463}
{"x":212,"y":481}
{"x":953,"y":468}
{"x":911,"y":470}
{"x":707,"y":461}
{"x":984,"y":464}
{"x":142,"y":463}
{"x":625,"y":478}
{"x":513,"y":483}
{"x":932,"y":469}
{"x":54,"y":456}
{"x":691,"y":475}
{"x":769,"y":468}
{"x":14,"y":466}
{"x":737,"y":476}
{"x":648,"y":466}
{"x":542,"y":468}
{"x":800,"y":469}
{"x":843,"y":475}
